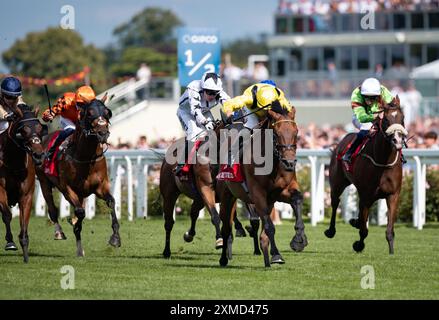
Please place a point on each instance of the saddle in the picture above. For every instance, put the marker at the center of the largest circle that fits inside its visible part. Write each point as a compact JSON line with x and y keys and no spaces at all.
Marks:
{"x":184,"y":173}
{"x":350,"y":167}
{"x":50,"y":165}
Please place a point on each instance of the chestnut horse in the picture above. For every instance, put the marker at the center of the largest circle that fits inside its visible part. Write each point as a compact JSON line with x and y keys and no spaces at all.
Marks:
{"x":82,"y":171}
{"x":377,"y":172}
{"x":263,"y":190}
{"x":20,"y":149}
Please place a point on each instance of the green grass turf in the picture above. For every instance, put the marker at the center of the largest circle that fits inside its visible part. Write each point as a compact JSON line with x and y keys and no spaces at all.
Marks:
{"x":327,"y":269}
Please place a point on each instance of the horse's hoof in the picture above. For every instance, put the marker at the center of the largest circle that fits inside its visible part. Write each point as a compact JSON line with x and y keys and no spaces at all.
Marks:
{"x":299,"y":243}
{"x":330,"y":233}
{"x":114,"y":241}
{"x":250,"y":231}
{"x":223,"y":261}
{"x":166,"y":253}
{"x":26,"y":259}
{"x":80,"y":253}
{"x":240,"y":233}
{"x":10,"y":246}
{"x":59,"y":235}
{"x":187,"y":237}
{"x":354,"y":223}
{"x":277,"y":259}
{"x":358,"y":246}
{"x":219,"y":243}
{"x":257,"y":253}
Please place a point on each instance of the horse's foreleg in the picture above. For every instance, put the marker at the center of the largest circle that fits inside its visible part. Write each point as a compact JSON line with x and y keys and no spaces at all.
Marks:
{"x":240,"y":232}
{"x":115,"y":237}
{"x":336,"y":192}
{"x":270,"y":231}
{"x":47,"y":191}
{"x":73,"y":198}
{"x":104,"y":193}
{"x":25,"y":210}
{"x":362,"y":224}
{"x":169,"y":199}
{"x":253,"y":228}
{"x":299,"y":241}
{"x":7,"y":217}
{"x":197,"y":205}
{"x":226,"y":215}
{"x":392,"y":206}
{"x":208,"y":195}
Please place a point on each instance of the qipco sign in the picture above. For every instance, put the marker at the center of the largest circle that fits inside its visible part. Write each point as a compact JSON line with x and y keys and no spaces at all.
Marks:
{"x":199,"y":51}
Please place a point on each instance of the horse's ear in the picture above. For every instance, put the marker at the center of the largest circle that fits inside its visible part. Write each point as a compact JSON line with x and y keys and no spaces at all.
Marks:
{"x":37,"y":111}
{"x":104,"y":98}
{"x":273,"y":115}
{"x":397,"y":99}
{"x":292,"y":113}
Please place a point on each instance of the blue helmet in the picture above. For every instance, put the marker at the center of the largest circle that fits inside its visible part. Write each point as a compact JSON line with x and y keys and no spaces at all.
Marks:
{"x":11,"y":86}
{"x":270,"y":82}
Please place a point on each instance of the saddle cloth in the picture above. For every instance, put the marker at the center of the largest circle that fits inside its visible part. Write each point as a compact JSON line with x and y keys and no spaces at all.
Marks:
{"x":50,"y":165}
{"x":231,"y":173}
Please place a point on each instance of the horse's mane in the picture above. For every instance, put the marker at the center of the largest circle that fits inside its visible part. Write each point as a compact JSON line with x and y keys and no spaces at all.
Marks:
{"x":25,"y":108}
{"x":277,"y":107}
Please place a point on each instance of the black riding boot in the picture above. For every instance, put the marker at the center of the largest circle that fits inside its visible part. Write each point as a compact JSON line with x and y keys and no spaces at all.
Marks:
{"x":347,"y":156}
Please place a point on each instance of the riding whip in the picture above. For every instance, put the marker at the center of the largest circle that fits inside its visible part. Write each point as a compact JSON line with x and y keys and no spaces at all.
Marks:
{"x":48,"y":98}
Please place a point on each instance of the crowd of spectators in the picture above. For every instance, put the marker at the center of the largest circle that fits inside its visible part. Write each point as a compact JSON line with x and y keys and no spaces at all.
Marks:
{"x":324,"y":7}
{"x":423,"y":133}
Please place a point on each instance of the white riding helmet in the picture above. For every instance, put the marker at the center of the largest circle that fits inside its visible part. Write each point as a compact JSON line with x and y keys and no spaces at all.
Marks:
{"x":211,"y":81}
{"x":371,"y":87}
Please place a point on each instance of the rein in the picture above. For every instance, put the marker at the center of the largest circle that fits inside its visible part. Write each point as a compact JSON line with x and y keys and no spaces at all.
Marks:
{"x":386,"y":137}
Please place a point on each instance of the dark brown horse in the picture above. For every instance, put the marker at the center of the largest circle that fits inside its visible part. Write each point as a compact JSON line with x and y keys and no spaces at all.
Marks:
{"x":263,"y":190}
{"x":20,"y":148}
{"x":82,"y":171}
{"x":200,"y":188}
{"x":377,"y":172}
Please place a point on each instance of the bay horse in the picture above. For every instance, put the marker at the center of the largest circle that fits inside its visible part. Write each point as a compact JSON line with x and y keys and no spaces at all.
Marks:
{"x":263,"y":190}
{"x":377,"y":172}
{"x":20,"y":149}
{"x":202,"y":188}
{"x":82,"y":171}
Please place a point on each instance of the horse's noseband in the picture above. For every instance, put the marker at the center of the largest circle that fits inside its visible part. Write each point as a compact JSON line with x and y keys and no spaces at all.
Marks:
{"x":290,"y":165}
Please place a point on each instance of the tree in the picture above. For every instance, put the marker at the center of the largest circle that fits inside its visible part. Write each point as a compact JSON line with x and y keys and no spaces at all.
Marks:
{"x":240,"y":49}
{"x":132,"y":57}
{"x":153,"y":28}
{"x":55,"y":53}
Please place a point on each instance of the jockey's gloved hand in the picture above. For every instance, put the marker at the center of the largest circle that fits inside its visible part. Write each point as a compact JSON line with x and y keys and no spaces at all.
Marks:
{"x":229,"y":120}
{"x":10,"y":116}
{"x":201,"y":119}
{"x":210,"y":125}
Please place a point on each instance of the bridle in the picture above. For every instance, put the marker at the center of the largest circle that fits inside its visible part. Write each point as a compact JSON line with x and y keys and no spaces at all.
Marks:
{"x":18,"y":140}
{"x":290,"y":165}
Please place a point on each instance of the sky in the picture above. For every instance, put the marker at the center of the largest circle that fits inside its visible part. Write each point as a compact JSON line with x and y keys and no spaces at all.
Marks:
{"x":95,"y":20}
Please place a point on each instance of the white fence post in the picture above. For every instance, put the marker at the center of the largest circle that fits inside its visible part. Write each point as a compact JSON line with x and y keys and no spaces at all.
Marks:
{"x":40,"y":203}
{"x":349,"y":203}
{"x":141,"y":190}
{"x":64,"y":207}
{"x":90,"y":206}
{"x":382,"y":212}
{"x":317,"y":190}
{"x":130,"y":188}
{"x":419,"y":193}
